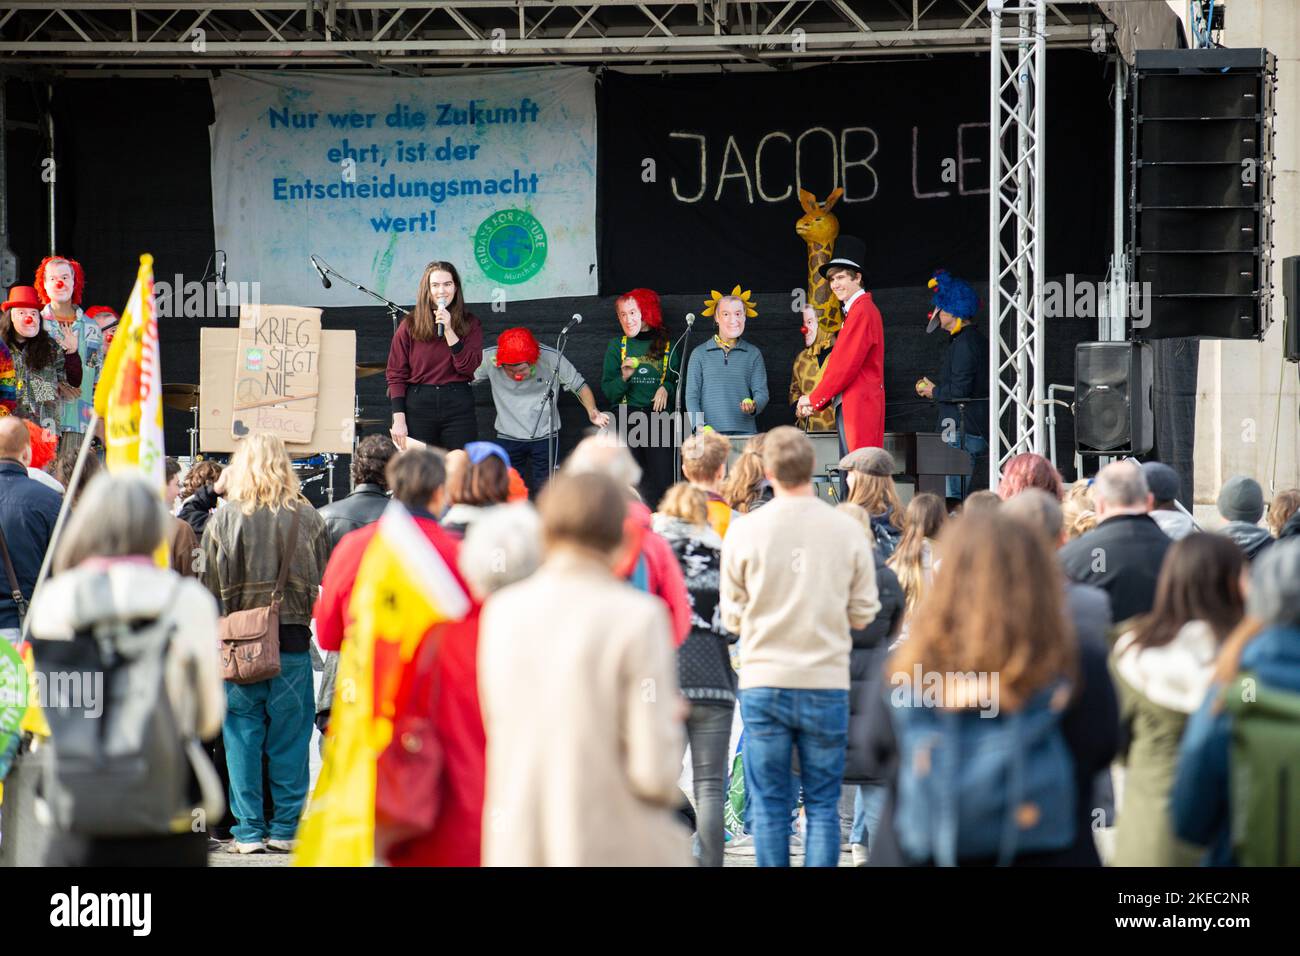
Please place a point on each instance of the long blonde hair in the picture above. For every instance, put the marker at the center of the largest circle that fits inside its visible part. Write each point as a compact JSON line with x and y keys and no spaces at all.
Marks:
{"x":924,"y":518}
{"x":877,"y":494}
{"x":260,"y":476}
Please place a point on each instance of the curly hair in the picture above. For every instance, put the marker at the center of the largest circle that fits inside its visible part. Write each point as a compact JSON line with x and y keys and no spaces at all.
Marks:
{"x":1078,"y":510}
{"x":261,"y":475}
{"x":78,"y":278}
{"x":374,"y":452}
{"x":205,"y":472}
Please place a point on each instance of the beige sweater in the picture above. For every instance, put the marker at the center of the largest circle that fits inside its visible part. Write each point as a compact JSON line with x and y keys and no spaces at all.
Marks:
{"x":796,"y":576}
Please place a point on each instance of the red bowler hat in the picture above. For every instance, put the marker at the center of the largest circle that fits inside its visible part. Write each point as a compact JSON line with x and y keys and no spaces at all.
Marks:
{"x":21,"y":297}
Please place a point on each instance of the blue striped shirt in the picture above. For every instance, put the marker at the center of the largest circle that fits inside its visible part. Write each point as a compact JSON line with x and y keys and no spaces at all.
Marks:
{"x":717,"y":381}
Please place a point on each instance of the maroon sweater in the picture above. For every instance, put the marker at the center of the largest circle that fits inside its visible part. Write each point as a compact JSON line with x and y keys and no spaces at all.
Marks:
{"x":431,"y":363}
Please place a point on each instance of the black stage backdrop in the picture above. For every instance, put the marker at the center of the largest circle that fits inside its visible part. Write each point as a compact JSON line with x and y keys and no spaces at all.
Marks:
{"x":886,"y":132}
{"x":133,"y":176}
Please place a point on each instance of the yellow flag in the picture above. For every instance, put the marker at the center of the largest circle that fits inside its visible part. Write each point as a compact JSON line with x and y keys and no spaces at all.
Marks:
{"x":128,"y":396}
{"x":402,"y":588}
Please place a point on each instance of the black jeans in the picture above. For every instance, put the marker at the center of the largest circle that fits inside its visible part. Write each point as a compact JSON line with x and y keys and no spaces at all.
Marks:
{"x":441,"y":415}
{"x":652,"y":448}
{"x":709,"y":730}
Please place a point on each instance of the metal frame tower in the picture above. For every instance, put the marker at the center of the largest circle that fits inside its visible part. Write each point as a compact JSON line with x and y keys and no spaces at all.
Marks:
{"x":1017,"y":96}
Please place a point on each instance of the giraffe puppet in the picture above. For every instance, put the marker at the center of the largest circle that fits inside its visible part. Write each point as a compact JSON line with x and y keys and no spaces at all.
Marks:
{"x":819,"y":228}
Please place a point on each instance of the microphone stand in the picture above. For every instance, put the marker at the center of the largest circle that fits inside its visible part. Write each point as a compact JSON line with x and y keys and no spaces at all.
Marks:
{"x":677,"y":400}
{"x":548,"y":401}
{"x":394,"y":310}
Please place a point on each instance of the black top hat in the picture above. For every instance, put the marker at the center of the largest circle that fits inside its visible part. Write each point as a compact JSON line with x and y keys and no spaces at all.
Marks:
{"x":850,"y":251}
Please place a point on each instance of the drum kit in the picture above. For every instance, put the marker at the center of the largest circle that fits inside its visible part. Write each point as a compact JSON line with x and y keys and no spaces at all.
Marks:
{"x":184,"y":397}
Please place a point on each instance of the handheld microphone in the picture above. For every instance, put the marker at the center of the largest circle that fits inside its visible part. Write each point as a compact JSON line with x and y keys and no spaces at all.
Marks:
{"x":576,"y":320}
{"x":690,"y":319}
{"x":324,"y":279}
{"x":442,"y":304}
{"x":221,"y":269}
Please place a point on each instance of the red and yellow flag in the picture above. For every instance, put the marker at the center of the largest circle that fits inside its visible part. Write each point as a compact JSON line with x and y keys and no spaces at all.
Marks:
{"x":401,"y":590}
{"x":128,"y":396}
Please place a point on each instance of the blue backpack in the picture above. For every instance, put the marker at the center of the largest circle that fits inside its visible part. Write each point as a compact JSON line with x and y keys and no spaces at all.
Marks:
{"x":979,"y":788}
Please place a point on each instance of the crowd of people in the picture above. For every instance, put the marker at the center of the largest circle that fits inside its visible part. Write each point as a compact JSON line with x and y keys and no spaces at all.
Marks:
{"x":998,"y":681}
{"x":653,"y":665}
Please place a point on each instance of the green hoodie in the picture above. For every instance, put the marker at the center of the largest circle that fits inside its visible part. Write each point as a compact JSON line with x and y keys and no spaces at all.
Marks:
{"x":639,"y":390}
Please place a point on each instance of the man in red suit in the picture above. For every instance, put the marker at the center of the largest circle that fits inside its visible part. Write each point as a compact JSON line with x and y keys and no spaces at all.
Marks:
{"x":854,"y":377}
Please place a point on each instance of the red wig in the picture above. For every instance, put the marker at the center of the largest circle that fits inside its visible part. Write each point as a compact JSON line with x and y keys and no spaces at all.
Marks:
{"x":1030,"y":471}
{"x":647,"y":300}
{"x":44,"y":445}
{"x":78,"y":284}
{"x":515,"y":346}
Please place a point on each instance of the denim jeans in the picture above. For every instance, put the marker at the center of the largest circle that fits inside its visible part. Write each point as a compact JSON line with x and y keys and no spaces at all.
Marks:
{"x":529,"y":459}
{"x":868,"y":805}
{"x":778,"y":720}
{"x":709,"y":730}
{"x":272,"y":717}
{"x":956,"y":486}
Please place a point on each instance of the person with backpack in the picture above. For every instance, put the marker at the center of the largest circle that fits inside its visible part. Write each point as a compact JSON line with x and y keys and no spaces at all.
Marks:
{"x":704,"y":668}
{"x":991,"y":688}
{"x":866,"y":669}
{"x":1237,"y":786}
{"x":1162,"y":668}
{"x":266,"y":549}
{"x":870,"y":482}
{"x":128,"y":783}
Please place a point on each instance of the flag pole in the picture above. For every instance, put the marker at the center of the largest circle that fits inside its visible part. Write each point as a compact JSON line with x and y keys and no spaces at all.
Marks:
{"x":86,"y":441}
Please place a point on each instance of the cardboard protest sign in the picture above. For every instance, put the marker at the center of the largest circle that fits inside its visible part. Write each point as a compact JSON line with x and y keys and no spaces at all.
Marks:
{"x":220,"y":353}
{"x":277,"y":372}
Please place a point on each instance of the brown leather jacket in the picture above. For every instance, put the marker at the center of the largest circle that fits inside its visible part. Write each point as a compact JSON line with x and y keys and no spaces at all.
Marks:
{"x":241,"y":558}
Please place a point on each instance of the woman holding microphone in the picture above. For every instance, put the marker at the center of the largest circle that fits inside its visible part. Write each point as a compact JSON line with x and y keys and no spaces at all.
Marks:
{"x":434,"y":355}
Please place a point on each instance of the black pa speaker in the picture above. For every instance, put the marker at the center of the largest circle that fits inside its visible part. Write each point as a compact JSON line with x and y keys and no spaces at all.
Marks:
{"x":1113,"y":414}
{"x":1202,"y":193}
{"x":1291,"y":298}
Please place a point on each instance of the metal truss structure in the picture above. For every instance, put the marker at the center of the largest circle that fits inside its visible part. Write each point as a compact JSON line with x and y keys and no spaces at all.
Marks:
{"x":1017,"y":106}
{"x":175,"y":37}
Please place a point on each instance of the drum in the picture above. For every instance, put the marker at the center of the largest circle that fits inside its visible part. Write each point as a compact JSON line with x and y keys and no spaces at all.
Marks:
{"x":312,"y":464}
